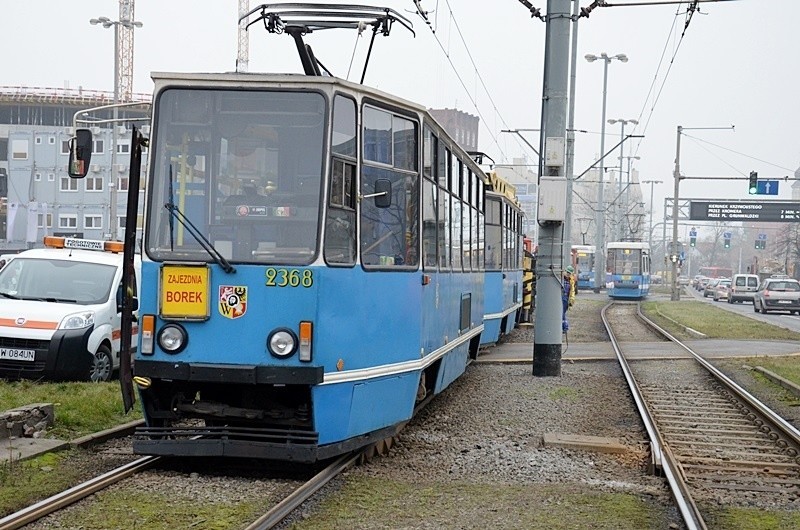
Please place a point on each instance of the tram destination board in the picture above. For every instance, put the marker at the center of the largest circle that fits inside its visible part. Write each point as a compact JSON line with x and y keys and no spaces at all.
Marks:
{"x":766,"y":211}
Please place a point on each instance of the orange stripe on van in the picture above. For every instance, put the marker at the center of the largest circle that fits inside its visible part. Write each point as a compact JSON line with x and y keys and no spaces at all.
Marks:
{"x":29,"y":324}
{"x":117,"y":334}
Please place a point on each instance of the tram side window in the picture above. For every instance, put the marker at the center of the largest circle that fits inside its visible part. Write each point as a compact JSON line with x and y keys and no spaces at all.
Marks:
{"x":494,"y":235}
{"x":340,"y":223}
{"x":390,"y":236}
{"x":429,"y":199}
{"x":444,"y":209}
{"x":481,"y":230}
{"x":455,"y":213}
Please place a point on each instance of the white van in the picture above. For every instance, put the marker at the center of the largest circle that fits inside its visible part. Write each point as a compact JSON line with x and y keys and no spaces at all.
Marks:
{"x":60,"y":311}
{"x":743,"y":287}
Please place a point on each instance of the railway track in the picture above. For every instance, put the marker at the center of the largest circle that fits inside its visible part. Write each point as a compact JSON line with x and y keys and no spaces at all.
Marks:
{"x":271,"y":518}
{"x":713,"y":441}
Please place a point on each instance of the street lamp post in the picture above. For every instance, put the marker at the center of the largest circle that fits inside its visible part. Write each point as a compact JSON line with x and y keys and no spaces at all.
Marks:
{"x":599,"y":269}
{"x":651,"y":182}
{"x":107,"y":23}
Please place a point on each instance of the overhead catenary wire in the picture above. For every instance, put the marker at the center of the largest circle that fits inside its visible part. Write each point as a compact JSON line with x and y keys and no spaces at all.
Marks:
{"x":446,"y":52}
{"x":699,"y":140}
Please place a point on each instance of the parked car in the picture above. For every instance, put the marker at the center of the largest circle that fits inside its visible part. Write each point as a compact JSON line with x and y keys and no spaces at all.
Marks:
{"x":743,"y":287}
{"x":708,"y":290}
{"x":701,"y":283}
{"x":777,"y":294}
{"x":722,"y":290}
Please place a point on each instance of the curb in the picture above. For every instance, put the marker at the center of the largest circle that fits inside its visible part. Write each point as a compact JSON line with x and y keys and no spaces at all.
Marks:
{"x":775,"y":378}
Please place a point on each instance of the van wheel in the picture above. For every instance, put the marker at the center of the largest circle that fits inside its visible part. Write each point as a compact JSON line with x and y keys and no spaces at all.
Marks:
{"x":102,"y":365}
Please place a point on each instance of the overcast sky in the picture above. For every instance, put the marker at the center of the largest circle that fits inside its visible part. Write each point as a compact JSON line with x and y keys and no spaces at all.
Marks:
{"x":737,"y":64}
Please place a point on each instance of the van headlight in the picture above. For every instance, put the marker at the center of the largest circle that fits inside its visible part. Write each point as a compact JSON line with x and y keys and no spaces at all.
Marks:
{"x":80,"y":320}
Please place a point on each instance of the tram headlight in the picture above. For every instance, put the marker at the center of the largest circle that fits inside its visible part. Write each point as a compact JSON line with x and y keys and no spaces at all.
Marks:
{"x":282,"y":343}
{"x":172,"y":338}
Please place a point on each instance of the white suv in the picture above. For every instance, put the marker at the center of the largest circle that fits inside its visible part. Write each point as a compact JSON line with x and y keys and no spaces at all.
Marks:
{"x":743,"y":287}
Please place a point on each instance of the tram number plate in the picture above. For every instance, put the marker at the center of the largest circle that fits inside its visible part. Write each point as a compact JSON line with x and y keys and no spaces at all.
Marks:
{"x":15,"y":354}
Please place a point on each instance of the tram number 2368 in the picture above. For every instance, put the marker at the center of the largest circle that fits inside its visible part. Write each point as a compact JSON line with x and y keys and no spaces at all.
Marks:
{"x":289,"y":278}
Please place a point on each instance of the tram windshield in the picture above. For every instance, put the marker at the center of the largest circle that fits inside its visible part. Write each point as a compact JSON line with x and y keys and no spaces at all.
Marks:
{"x":625,"y":261}
{"x":244,"y":167}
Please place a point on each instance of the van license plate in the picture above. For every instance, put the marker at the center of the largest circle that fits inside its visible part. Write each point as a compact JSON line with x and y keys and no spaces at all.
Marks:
{"x":13,"y":354}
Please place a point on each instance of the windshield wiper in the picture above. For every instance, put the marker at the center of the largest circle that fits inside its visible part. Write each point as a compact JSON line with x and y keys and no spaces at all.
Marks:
{"x":7,"y":295}
{"x":218,"y":258}
{"x":47,"y":299}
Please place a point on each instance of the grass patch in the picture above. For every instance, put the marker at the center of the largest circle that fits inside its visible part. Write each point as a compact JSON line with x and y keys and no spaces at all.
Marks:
{"x":152,"y":510}
{"x":564,"y":392}
{"x":751,"y":519}
{"x":376,"y":503}
{"x":24,"y":482}
{"x":787,"y":367}
{"x":80,"y":408}
{"x":714,"y":322}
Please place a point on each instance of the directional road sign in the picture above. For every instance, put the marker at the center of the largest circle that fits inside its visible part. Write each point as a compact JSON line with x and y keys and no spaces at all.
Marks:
{"x":693,"y":232}
{"x":767,"y":187}
{"x":732,"y":210}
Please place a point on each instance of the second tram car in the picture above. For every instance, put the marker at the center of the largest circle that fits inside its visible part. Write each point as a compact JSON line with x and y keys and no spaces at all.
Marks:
{"x":320,"y":258}
{"x":628,"y":270}
{"x":583,"y":257}
{"x":503,"y":275}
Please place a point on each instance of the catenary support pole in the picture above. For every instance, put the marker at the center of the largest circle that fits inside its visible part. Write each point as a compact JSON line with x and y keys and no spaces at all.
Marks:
{"x":552,"y":188}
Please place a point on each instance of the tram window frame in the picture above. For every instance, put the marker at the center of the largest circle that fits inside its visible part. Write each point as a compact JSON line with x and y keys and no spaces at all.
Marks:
{"x":456,"y":254}
{"x":445,"y":250}
{"x":494,"y":233}
{"x":430,"y":192}
{"x":466,"y":217}
{"x":405,"y":203}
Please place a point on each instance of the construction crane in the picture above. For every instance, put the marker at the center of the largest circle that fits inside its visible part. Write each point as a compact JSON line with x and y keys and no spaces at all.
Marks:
{"x":243,"y":48}
{"x":125,"y":50}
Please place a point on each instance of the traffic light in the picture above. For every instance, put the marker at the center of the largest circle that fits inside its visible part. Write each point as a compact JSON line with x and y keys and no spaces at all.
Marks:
{"x":727,"y":242}
{"x":753,"y":188}
{"x":692,"y":241}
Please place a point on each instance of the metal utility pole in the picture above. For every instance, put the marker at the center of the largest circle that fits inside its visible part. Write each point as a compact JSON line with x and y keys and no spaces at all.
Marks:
{"x":676,"y":294}
{"x":569,"y":169}
{"x":552,"y":192}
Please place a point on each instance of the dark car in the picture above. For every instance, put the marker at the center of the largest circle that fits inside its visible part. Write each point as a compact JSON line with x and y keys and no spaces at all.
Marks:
{"x":777,"y":294}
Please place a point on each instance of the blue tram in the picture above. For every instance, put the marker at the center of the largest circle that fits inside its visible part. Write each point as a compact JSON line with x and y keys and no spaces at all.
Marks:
{"x":503,"y":262}
{"x":628,"y":270}
{"x":583,"y":257}
{"x":313,"y":262}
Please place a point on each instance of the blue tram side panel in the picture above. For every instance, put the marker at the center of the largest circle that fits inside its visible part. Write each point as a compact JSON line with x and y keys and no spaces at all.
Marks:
{"x":583,"y":258}
{"x":314,"y":265}
{"x":628,"y":270}
{"x":503,"y":277}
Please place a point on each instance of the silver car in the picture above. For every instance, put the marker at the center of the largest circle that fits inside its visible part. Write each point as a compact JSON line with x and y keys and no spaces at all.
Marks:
{"x":777,"y":294}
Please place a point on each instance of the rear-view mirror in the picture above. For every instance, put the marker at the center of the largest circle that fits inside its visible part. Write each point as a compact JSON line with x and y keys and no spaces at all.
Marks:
{"x":383,"y":193}
{"x":80,"y":153}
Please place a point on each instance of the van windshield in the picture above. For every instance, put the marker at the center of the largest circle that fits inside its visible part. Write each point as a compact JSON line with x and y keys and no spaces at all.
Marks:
{"x":53,"y":280}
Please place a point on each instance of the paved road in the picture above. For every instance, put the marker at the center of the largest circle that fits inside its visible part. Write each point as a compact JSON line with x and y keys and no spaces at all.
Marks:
{"x":784,"y":320}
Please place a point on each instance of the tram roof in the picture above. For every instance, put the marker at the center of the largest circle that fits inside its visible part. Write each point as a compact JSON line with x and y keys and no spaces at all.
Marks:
{"x":239,"y":79}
